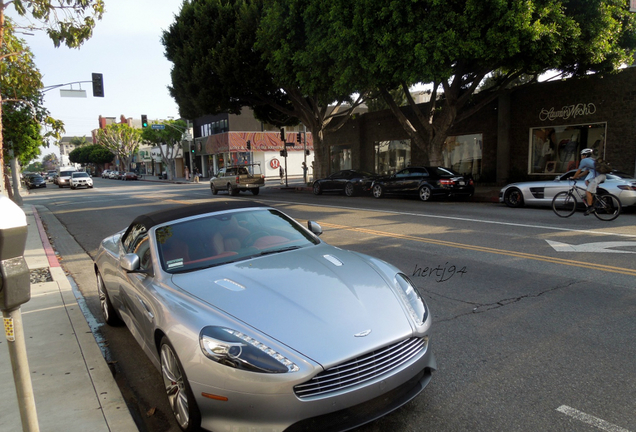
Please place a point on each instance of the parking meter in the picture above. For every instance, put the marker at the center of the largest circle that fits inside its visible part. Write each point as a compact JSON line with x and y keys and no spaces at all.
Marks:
{"x":15,"y":285}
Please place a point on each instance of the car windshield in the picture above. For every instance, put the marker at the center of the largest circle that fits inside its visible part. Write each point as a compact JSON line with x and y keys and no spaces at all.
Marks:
{"x":218,"y":239}
{"x":80,"y":174}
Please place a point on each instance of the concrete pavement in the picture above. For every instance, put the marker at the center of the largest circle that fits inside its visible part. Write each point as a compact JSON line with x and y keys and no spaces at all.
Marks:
{"x":73,"y":387}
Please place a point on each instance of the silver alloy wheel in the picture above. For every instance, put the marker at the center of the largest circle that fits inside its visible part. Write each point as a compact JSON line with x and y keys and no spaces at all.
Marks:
{"x":377,"y":191}
{"x":103,"y":298}
{"x":175,"y":386}
{"x":425,"y":193}
{"x":349,"y":189}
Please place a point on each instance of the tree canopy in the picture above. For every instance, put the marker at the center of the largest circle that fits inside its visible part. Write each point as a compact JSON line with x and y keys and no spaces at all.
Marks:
{"x":121,"y":140}
{"x":454,"y":44}
{"x":228,"y":55}
{"x":68,"y":22}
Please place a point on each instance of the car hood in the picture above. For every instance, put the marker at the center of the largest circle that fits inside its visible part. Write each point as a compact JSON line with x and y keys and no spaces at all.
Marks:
{"x":315,"y":300}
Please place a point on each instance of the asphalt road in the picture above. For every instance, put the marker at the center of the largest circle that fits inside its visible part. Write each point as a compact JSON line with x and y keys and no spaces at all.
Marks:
{"x":534,"y":315}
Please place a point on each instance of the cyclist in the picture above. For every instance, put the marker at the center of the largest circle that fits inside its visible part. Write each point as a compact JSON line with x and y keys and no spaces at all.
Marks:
{"x":592,"y":179}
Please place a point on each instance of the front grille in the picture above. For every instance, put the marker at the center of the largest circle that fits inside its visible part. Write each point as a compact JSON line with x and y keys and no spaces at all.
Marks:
{"x":361,"y":369}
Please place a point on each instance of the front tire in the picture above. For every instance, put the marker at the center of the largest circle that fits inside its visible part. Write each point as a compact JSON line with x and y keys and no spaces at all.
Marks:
{"x":180,"y":396}
{"x":378,"y":192}
{"x":425,"y":193}
{"x":349,"y":189}
{"x":564,"y":204}
{"x":214,"y":189}
{"x":317,"y":189}
{"x":108,"y":311}
{"x":608,"y":207}
{"x":513,"y":198}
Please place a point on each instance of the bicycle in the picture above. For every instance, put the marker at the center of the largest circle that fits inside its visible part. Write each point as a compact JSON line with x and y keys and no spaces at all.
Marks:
{"x":606,"y":206}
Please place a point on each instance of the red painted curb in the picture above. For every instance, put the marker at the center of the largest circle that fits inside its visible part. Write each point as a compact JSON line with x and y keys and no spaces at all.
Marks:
{"x":48,"y":249}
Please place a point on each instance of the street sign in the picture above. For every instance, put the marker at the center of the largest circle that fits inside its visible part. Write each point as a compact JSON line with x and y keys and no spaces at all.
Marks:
{"x":158,"y":126}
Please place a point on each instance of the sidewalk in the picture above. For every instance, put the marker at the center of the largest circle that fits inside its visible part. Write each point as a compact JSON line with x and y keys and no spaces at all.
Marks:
{"x":73,"y":387}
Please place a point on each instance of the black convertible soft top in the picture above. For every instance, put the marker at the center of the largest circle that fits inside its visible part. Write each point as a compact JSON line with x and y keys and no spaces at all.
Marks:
{"x":161,"y":216}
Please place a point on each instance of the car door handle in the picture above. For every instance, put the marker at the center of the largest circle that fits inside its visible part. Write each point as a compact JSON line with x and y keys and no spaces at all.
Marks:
{"x":146,"y":308}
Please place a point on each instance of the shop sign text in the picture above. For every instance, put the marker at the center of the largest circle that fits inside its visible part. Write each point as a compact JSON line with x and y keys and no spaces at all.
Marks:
{"x":567,"y":111}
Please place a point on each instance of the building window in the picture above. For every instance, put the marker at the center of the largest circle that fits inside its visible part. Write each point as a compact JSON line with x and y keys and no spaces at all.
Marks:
{"x":392,"y":156}
{"x":463,"y":153}
{"x":556,"y":150}
{"x":340,"y":158}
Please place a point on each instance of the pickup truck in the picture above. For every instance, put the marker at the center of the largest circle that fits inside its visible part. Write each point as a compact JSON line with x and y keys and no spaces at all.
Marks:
{"x":235,"y":179}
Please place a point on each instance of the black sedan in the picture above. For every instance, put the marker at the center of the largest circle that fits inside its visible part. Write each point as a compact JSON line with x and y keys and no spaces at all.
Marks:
{"x":36,"y":181}
{"x":348,"y":181}
{"x":426,"y":182}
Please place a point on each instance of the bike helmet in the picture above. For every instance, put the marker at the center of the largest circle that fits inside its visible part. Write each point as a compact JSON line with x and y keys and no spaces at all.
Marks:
{"x":587,"y":152}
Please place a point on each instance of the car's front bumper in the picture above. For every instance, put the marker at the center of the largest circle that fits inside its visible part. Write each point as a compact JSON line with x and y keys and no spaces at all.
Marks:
{"x":282,"y":410}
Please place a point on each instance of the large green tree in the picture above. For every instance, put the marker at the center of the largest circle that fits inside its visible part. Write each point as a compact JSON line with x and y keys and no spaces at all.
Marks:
{"x":453,"y":45}
{"x":68,"y":22}
{"x":122,"y":140}
{"x":236,"y":53}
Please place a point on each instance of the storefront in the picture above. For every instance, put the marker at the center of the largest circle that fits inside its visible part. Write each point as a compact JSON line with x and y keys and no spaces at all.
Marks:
{"x":532,"y":132}
{"x":264,"y":148}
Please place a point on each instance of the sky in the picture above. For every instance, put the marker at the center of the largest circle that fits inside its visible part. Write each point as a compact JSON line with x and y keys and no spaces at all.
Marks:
{"x":126,"y":48}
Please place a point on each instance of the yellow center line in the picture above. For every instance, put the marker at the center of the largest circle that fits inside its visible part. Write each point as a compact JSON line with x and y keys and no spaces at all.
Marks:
{"x":588,"y":265}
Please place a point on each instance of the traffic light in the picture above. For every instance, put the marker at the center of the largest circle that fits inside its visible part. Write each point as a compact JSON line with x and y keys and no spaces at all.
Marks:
{"x":249,"y":145}
{"x":98,"y":85}
{"x":144,"y":121}
{"x":298,"y":138}
{"x":283,"y":138}
{"x":192,"y":148}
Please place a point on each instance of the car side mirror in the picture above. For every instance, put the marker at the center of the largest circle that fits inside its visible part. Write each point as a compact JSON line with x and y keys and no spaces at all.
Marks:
{"x":314,"y":228}
{"x":130,"y":262}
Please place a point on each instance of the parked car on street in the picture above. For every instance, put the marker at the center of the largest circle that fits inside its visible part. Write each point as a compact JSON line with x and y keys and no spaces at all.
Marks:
{"x":114,"y":175}
{"x":244,"y":310}
{"x":541,"y":192}
{"x":129,"y":176}
{"x":350,"y":182}
{"x":81,"y":179}
{"x":35,"y":181}
{"x":425,"y":182}
{"x":105,"y":173}
{"x":240,"y":178}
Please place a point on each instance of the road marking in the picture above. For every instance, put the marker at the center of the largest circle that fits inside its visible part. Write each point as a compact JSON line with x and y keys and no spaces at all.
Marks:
{"x":590,"y":419}
{"x":543,"y":227}
{"x":603,"y":247}
{"x":554,"y":260}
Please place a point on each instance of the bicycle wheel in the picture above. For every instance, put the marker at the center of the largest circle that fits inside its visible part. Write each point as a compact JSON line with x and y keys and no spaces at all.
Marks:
{"x":564,"y":204}
{"x":607,"y":207}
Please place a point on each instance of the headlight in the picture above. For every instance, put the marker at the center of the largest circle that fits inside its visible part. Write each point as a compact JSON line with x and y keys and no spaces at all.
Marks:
{"x":411,"y":298}
{"x":235,"y":349}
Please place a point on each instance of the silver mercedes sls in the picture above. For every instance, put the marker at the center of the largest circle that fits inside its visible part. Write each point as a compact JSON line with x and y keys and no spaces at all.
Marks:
{"x":257,"y":324}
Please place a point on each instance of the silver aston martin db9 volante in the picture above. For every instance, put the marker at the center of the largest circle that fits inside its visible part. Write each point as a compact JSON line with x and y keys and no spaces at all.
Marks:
{"x":257,"y":324}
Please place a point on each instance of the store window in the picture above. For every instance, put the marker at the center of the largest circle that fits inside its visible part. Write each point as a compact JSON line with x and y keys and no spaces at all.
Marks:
{"x":463,"y":154}
{"x":392,"y":156}
{"x":340,"y":158}
{"x":556,"y":150}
